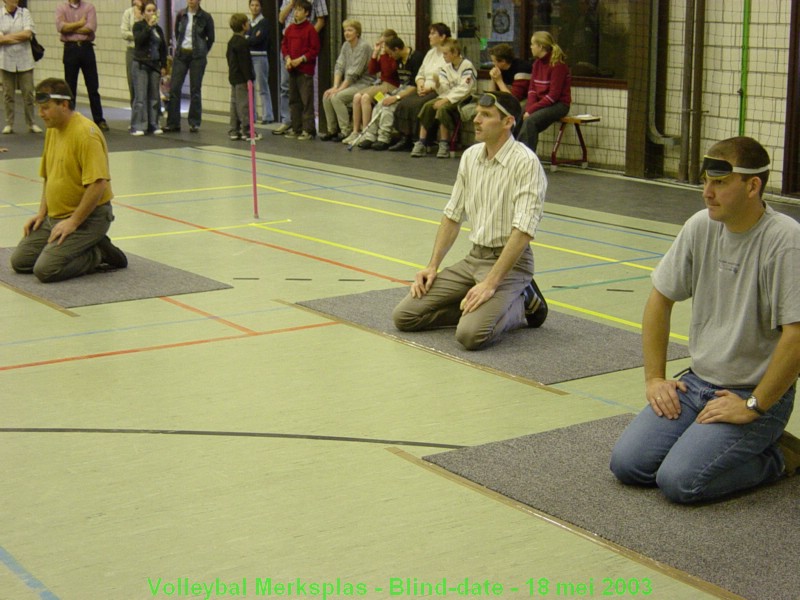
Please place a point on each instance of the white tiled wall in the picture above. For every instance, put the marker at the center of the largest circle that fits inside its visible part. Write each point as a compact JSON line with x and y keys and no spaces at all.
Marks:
{"x":766,"y":104}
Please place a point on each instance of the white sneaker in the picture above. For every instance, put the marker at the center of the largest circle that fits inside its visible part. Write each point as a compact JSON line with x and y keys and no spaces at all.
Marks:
{"x":136,"y":132}
{"x":418,"y":150}
{"x":35,"y":128}
{"x":8,"y":129}
{"x":444,"y":150}
{"x":351,"y":138}
{"x":158,"y":131}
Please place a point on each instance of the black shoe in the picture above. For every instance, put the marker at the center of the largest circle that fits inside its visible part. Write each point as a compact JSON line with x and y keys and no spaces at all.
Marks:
{"x":402,"y":144}
{"x":380,"y":146}
{"x":169,"y":129}
{"x":366,"y":144}
{"x":110,"y":255}
{"x":535,"y":305}
{"x":102,"y":125}
{"x":194,"y":128}
{"x":329,"y":137}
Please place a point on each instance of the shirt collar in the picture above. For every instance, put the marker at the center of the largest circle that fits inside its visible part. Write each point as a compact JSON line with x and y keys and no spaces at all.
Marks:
{"x":502,"y":156}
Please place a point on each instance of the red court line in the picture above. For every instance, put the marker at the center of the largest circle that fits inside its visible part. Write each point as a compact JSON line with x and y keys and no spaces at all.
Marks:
{"x":66,"y":359}
{"x":207,"y":314}
{"x":20,"y":177}
{"x":265,"y":244}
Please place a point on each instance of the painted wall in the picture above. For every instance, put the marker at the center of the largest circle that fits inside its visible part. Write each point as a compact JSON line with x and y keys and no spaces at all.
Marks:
{"x":766,"y":108}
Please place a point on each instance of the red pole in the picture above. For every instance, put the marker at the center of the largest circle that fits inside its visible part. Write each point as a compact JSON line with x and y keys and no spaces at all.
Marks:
{"x":253,"y":146}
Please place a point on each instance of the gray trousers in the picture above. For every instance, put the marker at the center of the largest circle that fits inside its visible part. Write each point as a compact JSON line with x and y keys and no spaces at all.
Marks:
{"x":440,"y":307}
{"x":240,"y":111}
{"x":336,"y":113}
{"x":24,"y":81}
{"x":77,"y":255}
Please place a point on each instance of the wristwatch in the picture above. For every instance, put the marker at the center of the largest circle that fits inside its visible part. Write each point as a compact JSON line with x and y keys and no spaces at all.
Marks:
{"x":752,"y":404}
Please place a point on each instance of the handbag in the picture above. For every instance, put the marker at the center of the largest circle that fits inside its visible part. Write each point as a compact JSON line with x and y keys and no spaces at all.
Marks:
{"x":36,"y":48}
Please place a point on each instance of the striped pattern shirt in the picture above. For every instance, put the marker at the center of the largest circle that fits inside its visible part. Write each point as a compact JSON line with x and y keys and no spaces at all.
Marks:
{"x":498,"y":194}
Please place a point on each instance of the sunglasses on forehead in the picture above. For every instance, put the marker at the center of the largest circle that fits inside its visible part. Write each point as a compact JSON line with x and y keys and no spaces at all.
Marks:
{"x":42,"y":97}
{"x":488,"y":100}
{"x":717,"y":168}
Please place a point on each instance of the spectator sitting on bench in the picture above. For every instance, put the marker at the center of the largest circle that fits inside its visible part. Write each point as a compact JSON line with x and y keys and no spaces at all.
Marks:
{"x":457,"y":82}
{"x":509,"y":74}
{"x":549,"y":94}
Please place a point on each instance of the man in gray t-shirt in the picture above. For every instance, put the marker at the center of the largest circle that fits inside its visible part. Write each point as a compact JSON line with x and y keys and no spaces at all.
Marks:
{"x":739,"y":261}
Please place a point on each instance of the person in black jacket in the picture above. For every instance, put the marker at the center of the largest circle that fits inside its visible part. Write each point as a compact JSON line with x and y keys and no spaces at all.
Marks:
{"x":191,"y":56}
{"x":240,"y":71}
{"x":148,"y":65}
{"x":258,"y":38}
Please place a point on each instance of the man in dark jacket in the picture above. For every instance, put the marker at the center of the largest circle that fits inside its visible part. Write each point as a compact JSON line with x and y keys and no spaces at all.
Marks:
{"x":194,"y":36}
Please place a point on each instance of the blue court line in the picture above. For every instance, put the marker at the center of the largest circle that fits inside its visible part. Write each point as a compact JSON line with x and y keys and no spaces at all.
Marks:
{"x":361,"y":181}
{"x":27,"y":578}
{"x":596,"y":265}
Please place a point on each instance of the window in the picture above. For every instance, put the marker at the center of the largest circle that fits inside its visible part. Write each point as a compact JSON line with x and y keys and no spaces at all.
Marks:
{"x":593,"y":33}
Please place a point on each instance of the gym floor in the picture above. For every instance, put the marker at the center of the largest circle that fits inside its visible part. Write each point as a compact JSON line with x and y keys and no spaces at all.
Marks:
{"x":232,"y":436}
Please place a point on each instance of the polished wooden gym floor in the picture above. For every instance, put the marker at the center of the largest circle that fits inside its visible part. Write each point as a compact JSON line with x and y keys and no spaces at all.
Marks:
{"x":228,"y":437}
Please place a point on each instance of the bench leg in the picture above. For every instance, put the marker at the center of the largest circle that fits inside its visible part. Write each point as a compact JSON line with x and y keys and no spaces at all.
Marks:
{"x":553,"y":155}
{"x":584,"y":152}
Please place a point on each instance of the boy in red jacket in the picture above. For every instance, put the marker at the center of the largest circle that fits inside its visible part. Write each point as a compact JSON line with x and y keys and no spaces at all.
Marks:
{"x":300,"y":48}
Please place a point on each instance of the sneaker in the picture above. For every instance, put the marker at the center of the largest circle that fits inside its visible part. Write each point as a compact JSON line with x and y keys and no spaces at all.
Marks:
{"x":418,"y":150}
{"x":444,"y":150}
{"x":282,"y":130}
{"x":402,"y":144}
{"x":366,"y":145}
{"x":110,"y":255}
{"x":102,"y":125}
{"x":35,"y":128}
{"x":194,"y":128}
{"x":380,"y":146}
{"x":305,"y":136}
{"x":790,"y":447}
{"x":535,"y":305}
{"x":329,"y":136}
{"x":137,"y":132}
{"x":351,"y":138}
{"x":158,"y":131}
{"x":291,"y":134}
{"x":169,"y":129}
{"x":252,"y":139}
{"x":235,"y":136}
{"x":8,"y":129}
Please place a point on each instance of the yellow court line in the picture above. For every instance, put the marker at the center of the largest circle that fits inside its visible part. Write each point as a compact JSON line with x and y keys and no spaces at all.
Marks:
{"x":207,"y":189}
{"x":341,"y":246}
{"x":432,"y":222}
{"x":202,"y":230}
{"x":595,"y":256}
{"x":349,"y":205}
{"x":608,"y":317}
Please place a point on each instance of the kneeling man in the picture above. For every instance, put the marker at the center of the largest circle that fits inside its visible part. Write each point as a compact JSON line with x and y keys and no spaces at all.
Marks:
{"x":500,"y":189}
{"x":67,"y":237}
{"x":719,"y":428}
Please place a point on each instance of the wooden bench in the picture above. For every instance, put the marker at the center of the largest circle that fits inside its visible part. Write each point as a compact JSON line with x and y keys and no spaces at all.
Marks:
{"x":577,"y":121}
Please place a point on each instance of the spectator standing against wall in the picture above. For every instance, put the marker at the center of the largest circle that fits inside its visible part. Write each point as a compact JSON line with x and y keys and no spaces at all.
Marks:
{"x":76,"y":23}
{"x":258,"y":41}
{"x":132,"y":14}
{"x":194,"y":37}
{"x":318,"y":16}
{"x":16,"y":62}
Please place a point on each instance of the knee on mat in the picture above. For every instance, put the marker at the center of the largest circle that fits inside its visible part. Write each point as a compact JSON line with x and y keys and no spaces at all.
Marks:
{"x":676,"y":485}
{"x":628,"y":470}
{"x":470,"y":339}
{"x":47,"y":273}
{"x":405,"y":320}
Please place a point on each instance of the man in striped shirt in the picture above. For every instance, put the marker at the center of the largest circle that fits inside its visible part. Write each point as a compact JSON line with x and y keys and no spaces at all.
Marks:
{"x":500,"y":189}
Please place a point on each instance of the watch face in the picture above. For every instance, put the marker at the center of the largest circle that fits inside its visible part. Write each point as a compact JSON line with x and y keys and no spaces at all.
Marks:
{"x":501,"y":21}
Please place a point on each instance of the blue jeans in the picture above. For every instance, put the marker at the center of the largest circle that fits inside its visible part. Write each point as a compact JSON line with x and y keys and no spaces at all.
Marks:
{"x":283,"y":96}
{"x":692,"y":462}
{"x":146,"y":97}
{"x":261,"y":67}
{"x":182,"y":64}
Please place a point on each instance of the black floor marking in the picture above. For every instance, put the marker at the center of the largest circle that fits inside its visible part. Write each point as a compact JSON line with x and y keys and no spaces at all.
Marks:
{"x":290,"y":436}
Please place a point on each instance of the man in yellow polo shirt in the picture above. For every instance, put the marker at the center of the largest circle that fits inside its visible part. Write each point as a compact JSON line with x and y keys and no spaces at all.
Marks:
{"x":67,"y":237}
